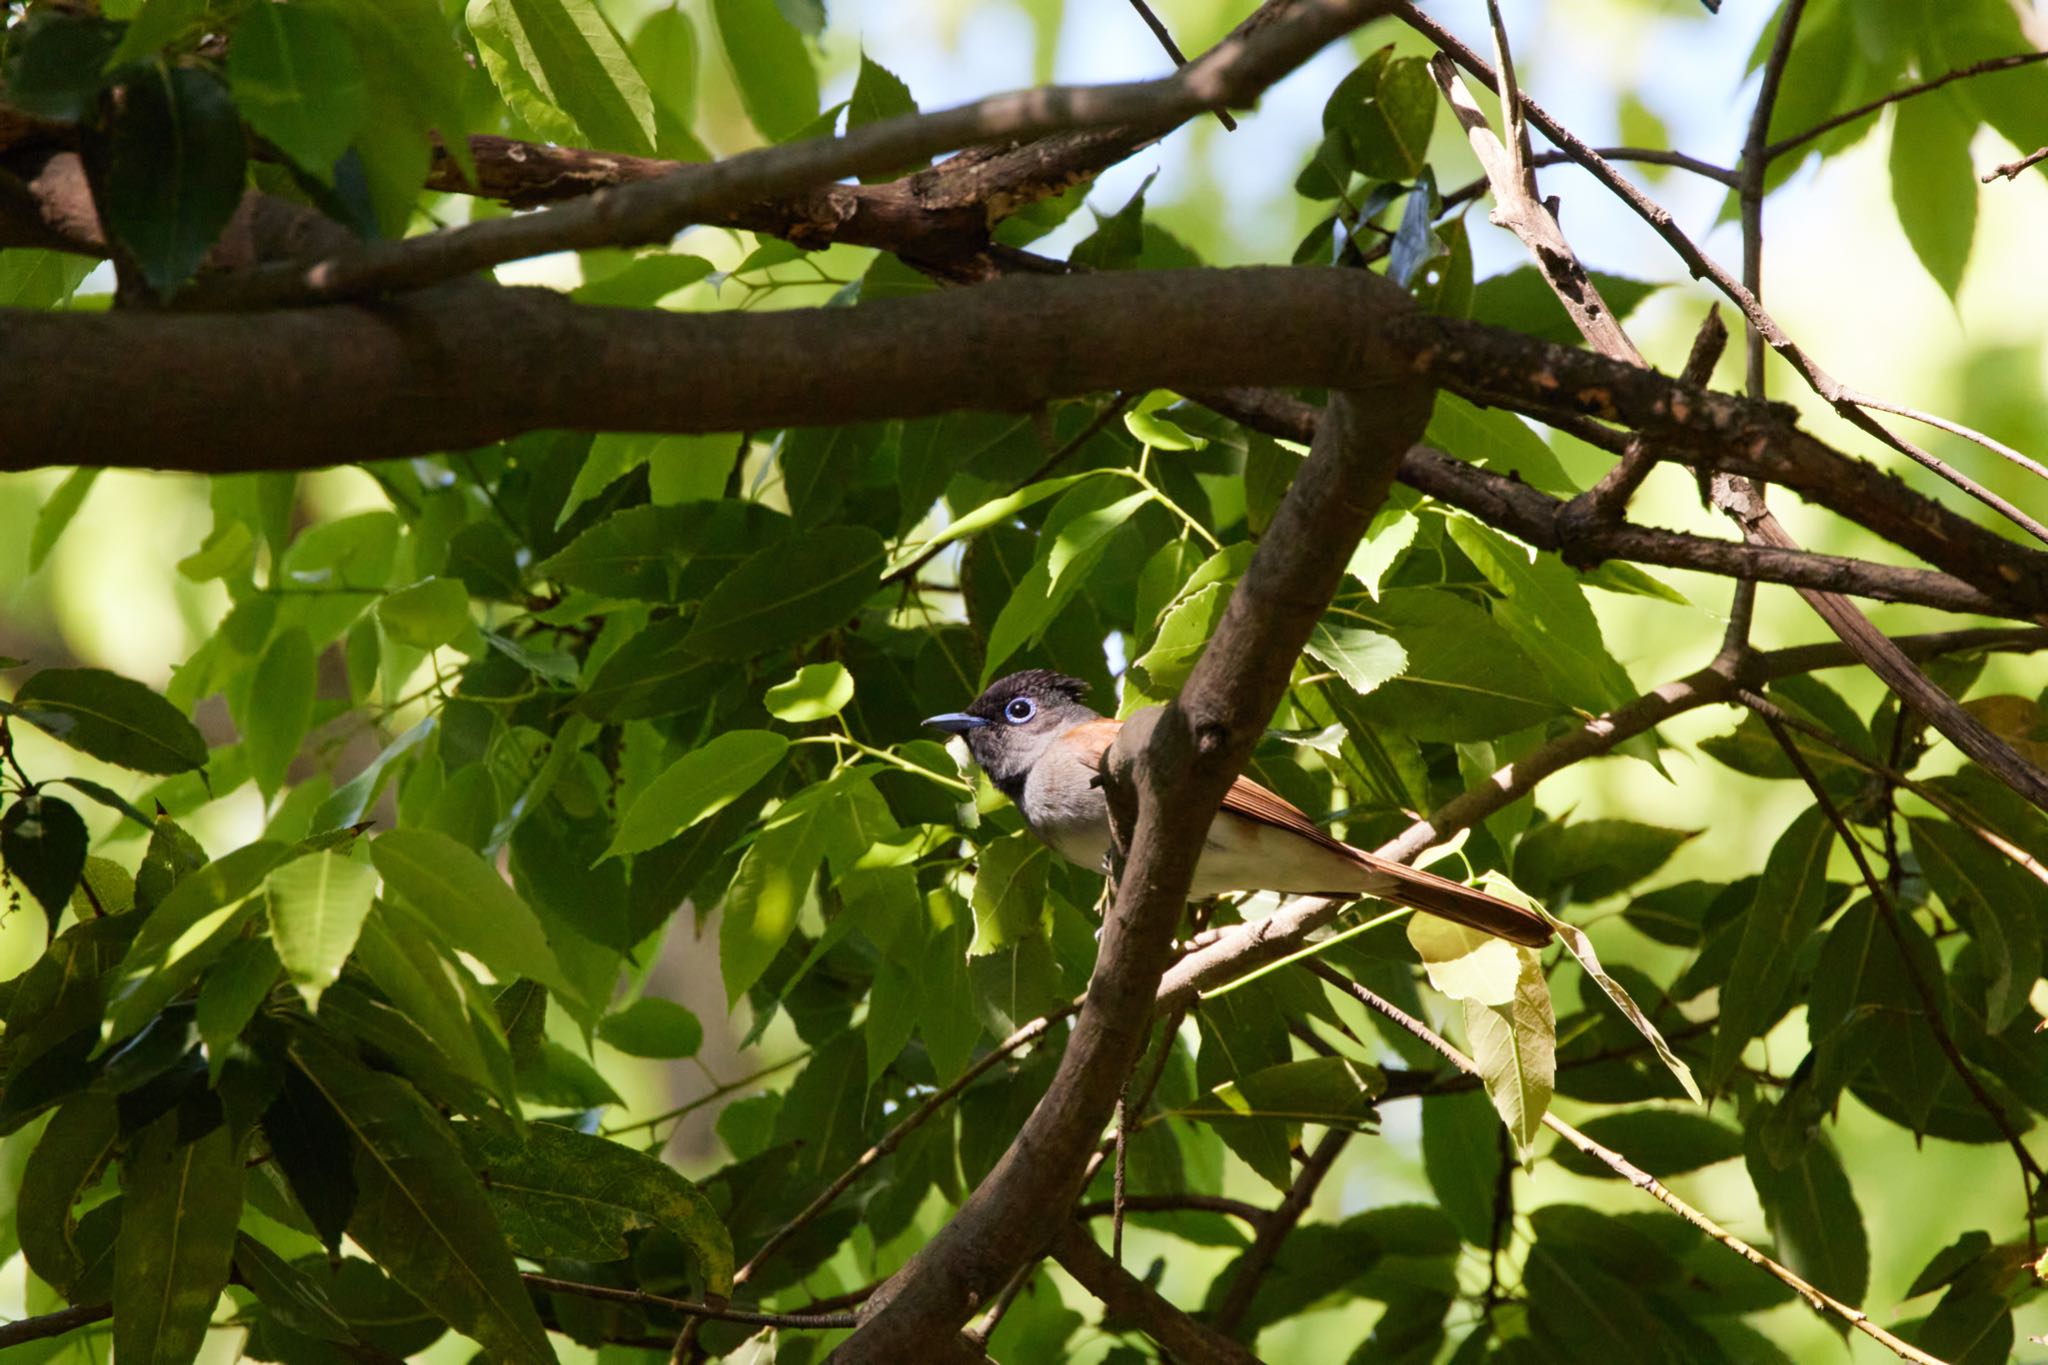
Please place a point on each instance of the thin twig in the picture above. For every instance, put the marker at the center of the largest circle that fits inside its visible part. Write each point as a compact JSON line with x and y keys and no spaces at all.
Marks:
{"x":1703,"y":266}
{"x":1891,"y":775}
{"x":1829,"y":124}
{"x":691,"y":1308}
{"x":1930,"y":1005}
{"x":1125,"y":1296}
{"x":1939,"y":423}
{"x":1245,"y":947}
{"x":45,"y":1325}
{"x":2010,"y":170}
{"x":1236,"y":71}
{"x":893,"y":1139}
{"x":1818,"y":1300}
{"x":1750,"y":171}
{"x":1166,"y":41}
{"x":1274,"y":1229}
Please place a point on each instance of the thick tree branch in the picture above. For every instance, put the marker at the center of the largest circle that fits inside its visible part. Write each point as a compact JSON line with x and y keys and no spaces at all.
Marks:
{"x":1126,"y":1296}
{"x":1184,"y":756}
{"x":1234,"y":72}
{"x":314,"y":387}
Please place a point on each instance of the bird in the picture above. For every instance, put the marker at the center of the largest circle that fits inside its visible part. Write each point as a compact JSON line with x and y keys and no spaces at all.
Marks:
{"x":1042,"y":746}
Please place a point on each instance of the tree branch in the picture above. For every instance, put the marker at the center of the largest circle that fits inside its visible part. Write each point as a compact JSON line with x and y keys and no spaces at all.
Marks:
{"x":1838,"y":395}
{"x":1126,"y":1296}
{"x":1274,"y":1228}
{"x":1235,"y":72}
{"x":1829,"y":124}
{"x":1184,"y":756}
{"x":1245,"y":947}
{"x":690,"y":1308}
{"x":1923,"y":990}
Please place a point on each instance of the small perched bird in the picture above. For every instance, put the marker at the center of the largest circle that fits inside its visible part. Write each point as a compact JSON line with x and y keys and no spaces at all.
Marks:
{"x":1042,"y":747}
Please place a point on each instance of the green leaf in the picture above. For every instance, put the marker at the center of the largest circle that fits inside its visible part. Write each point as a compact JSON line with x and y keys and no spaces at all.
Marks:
{"x":67,"y":1159}
{"x":1787,"y":909}
{"x":418,"y":1209}
{"x":1951,"y":1261}
{"x":287,"y":1293}
{"x":1995,"y":900}
{"x":816,"y":692}
{"x":1076,"y":533}
{"x":1547,"y":614}
{"x":233,"y":991}
{"x":772,"y":886}
{"x":993,"y":513}
{"x":664,"y":48}
{"x":788,"y":594}
{"x":1362,"y":658}
{"x":280,"y":708}
{"x":317,"y":907}
{"x":1463,"y":1157}
{"x":40,"y":279}
{"x":296,"y":78}
{"x":56,"y":64}
{"x":778,"y":85}
{"x":1971,"y":1325}
{"x":1009,"y":893}
{"x":1581,"y":949}
{"x":1934,"y":184}
{"x":1386,"y":109}
{"x":1466,"y":964}
{"x":156,"y":24}
{"x":1515,"y":1046}
{"x":1813,"y":1214}
{"x":1521,"y":301}
{"x":1325,"y":1090}
{"x":1467,"y":678}
{"x":652,"y":1027}
{"x":1183,"y":635}
{"x":1497,"y":440}
{"x":878,"y":94}
{"x":426,"y":615}
{"x":193,"y":925}
{"x":42,"y":845}
{"x":112,"y":718}
{"x":180,"y":1208}
{"x":699,"y":784}
{"x":1386,"y":540}
{"x":432,"y":1029}
{"x":466,"y":899}
{"x":1581,"y":1312}
{"x":654,"y":674}
{"x":56,"y":513}
{"x":1593,"y":858}
{"x":560,"y":1193}
{"x":577,"y":62}
{"x":632,"y":553}
{"x":1664,"y":1142}
{"x":175,"y":158}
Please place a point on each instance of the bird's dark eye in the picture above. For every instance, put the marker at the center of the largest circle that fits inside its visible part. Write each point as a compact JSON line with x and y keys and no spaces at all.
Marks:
{"x":1020,"y":710}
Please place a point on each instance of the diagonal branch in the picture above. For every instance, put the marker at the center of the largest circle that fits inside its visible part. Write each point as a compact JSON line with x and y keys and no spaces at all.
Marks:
{"x":1838,"y":395}
{"x":1245,"y":947}
{"x":1126,"y":1296}
{"x":2031,"y":1174}
{"x":1235,"y":72}
{"x":1165,"y":777}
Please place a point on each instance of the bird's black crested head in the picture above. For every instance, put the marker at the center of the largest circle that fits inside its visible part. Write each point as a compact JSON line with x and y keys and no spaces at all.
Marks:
{"x":1008,"y":726}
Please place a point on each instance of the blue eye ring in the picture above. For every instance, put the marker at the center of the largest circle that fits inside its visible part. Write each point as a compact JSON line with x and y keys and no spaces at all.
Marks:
{"x":1020,"y":710}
